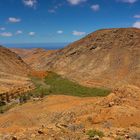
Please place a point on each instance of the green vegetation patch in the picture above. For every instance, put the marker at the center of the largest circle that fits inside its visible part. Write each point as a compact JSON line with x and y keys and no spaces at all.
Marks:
{"x":5,"y":108}
{"x":93,"y":133}
{"x":57,"y":85}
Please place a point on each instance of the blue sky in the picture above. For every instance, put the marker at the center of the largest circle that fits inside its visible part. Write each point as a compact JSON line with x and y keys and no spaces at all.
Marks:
{"x":31,"y":21}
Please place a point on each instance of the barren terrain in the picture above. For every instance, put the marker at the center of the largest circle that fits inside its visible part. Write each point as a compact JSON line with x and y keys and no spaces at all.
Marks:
{"x":66,"y":117}
{"x":13,"y":73}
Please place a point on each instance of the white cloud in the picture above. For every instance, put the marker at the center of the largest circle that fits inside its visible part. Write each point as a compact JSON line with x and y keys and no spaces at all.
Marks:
{"x":78,"y":33}
{"x":6,"y":34}
{"x":95,"y":7}
{"x":60,"y":32}
{"x":30,"y":3}
{"x":76,"y":2}
{"x":2,"y":28}
{"x":14,"y":20}
{"x":128,"y":1}
{"x":136,"y":16}
{"x":19,"y":32}
{"x":31,"y":33}
{"x":136,"y":24}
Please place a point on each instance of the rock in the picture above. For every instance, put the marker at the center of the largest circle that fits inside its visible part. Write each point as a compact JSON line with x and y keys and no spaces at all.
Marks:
{"x":33,"y":135}
{"x":14,"y":138}
{"x":76,"y":127}
{"x":36,"y":99}
{"x":127,"y":136}
{"x":111,"y":104}
{"x":96,"y":137}
{"x":40,"y":132}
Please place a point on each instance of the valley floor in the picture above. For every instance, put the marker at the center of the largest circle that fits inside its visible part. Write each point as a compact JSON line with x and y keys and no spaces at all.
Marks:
{"x":74,"y":118}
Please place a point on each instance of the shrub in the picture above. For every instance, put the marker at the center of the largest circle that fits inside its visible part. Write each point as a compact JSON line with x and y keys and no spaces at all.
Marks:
{"x":90,"y":119}
{"x":24,"y":98}
{"x":6,"y":108}
{"x":2,"y":103}
{"x":93,"y":133}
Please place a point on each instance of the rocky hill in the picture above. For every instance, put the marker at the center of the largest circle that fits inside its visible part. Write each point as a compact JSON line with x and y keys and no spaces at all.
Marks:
{"x":13,"y":72}
{"x":109,"y":58}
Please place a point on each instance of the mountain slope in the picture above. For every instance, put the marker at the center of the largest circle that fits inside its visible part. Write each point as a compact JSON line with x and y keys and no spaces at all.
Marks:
{"x":12,"y":63}
{"x":107,"y":58}
{"x":13,"y":72}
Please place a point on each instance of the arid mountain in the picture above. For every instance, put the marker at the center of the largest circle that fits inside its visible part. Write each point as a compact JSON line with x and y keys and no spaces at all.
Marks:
{"x":13,"y":71}
{"x":35,"y":58}
{"x":107,"y":58}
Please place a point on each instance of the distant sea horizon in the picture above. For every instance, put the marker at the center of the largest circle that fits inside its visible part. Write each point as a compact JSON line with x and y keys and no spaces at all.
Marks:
{"x":47,"y":46}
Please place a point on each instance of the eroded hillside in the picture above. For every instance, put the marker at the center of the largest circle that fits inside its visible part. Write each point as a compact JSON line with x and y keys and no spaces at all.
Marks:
{"x":13,"y":73}
{"x":108,"y":58}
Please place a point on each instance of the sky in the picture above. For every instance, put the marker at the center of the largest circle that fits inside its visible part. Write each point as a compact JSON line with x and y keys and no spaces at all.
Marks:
{"x":57,"y":21}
